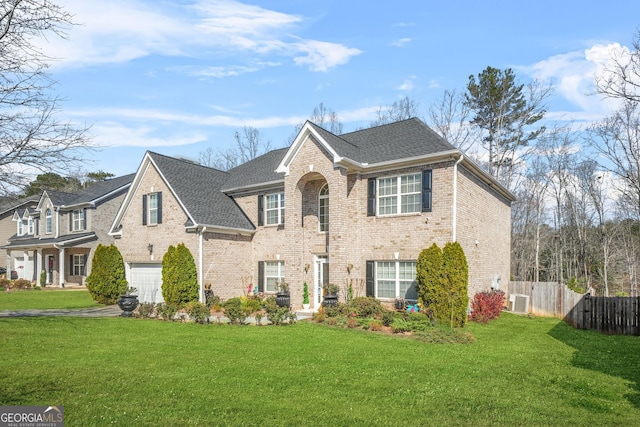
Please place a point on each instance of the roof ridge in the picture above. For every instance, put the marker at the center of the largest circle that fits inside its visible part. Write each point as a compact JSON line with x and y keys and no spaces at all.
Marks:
{"x":186,"y":161}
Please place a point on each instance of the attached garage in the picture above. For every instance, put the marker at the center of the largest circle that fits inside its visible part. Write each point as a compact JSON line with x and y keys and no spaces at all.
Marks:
{"x":147,"y":279}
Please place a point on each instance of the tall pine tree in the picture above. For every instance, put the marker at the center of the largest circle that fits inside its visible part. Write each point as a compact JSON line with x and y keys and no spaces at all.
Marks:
{"x":506,"y":114}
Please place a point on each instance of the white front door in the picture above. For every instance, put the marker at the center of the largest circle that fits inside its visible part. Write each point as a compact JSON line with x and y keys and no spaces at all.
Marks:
{"x":321,"y":279}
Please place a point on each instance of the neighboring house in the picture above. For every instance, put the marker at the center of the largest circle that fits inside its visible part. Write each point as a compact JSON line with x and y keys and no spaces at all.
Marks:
{"x":8,"y":208}
{"x":351,"y":209}
{"x":60,"y":233}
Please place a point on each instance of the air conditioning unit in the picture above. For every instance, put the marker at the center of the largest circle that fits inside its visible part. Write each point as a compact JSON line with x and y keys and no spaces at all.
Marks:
{"x":519,"y":303}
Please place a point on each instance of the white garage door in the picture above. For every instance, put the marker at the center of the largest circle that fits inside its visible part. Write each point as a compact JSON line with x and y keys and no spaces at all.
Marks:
{"x":147,"y":279}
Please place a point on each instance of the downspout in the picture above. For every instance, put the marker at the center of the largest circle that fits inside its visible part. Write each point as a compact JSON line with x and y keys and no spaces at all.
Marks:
{"x":454,"y":227}
{"x":201,"y":263}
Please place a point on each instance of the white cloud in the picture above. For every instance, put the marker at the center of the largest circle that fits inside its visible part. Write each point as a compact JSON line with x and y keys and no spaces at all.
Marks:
{"x":122,"y":30}
{"x":573,"y":76}
{"x":401,"y":42}
{"x":115,"y":134}
{"x":320,"y":56}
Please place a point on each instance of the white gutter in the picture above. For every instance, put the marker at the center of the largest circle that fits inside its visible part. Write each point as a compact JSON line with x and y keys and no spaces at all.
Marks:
{"x":454,"y":227}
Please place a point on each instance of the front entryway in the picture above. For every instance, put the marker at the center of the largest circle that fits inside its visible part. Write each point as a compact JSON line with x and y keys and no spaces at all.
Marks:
{"x":321,"y":279}
{"x":147,"y":279}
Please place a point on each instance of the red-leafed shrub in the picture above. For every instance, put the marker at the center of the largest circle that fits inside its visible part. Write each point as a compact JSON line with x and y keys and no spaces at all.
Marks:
{"x":486,"y":306}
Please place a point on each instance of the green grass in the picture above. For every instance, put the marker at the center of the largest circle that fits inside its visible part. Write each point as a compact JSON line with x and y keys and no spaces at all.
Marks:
{"x":46,"y":299}
{"x":519,"y":372}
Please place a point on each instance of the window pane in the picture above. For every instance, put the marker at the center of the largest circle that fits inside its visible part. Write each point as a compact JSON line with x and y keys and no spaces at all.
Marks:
{"x":386,"y":279}
{"x":410,"y":183}
{"x":153,"y":208}
{"x":387,"y":196}
{"x":408,"y":281}
{"x":323,"y":213}
{"x":274,"y":211}
{"x":411,"y":199}
{"x":274,"y":272}
{"x":387,"y":186}
{"x":411,"y":203}
{"x":272,"y":201}
{"x":386,"y":289}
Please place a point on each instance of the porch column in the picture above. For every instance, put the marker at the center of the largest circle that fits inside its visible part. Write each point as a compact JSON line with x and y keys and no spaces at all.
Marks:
{"x":61,"y":270}
{"x":39,"y":265}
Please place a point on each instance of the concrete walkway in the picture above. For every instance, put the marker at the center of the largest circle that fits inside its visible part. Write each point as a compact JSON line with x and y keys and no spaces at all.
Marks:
{"x":114,"y":311}
{"x":108,"y":311}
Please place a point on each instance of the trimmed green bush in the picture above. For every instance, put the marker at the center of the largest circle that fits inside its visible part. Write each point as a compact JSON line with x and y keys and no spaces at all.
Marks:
{"x":235,"y":312}
{"x":179,"y":276}
{"x":198,"y":311}
{"x":442,"y":278}
{"x":364,"y":307}
{"x":166,"y":311}
{"x":107,"y":280}
{"x":432,"y":292}
{"x":456,"y":273}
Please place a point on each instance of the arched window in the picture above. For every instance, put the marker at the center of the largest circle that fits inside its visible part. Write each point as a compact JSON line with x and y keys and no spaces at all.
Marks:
{"x":47,"y":217}
{"x":323,"y":208}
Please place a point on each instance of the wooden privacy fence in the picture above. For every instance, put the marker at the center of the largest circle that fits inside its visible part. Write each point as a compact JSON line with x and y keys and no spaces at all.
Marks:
{"x":613,"y":315}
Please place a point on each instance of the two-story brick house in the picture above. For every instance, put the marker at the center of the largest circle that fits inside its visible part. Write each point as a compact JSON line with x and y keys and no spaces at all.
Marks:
{"x":351,"y":209}
{"x":60,"y":233}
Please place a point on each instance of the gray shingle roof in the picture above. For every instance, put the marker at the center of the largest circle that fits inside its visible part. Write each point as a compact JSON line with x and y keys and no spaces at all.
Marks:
{"x":199,"y":188}
{"x":258,"y":171}
{"x":94,"y":192}
{"x":394,"y":141}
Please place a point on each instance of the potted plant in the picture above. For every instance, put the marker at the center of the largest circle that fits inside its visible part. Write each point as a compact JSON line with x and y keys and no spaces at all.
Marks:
{"x":305,"y":296}
{"x":283,"y":298}
{"x":128,"y":302}
{"x":330,"y":292}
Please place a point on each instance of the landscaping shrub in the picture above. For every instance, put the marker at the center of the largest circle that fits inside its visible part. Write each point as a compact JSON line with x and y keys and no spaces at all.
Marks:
{"x":364,"y":307}
{"x":400,"y":325}
{"x":234,"y":311}
{"x":456,"y":273}
{"x":107,"y":279}
{"x":486,"y":306}
{"x":388,"y":317}
{"x":432,"y":290}
{"x":375,"y":325}
{"x":166,"y":311}
{"x":251,"y":305}
{"x":442,"y":277}
{"x":5,"y":283}
{"x":43,"y":278}
{"x":333,"y":310}
{"x":145,"y":310}
{"x":198,"y":311}
{"x":21,"y":284}
{"x":179,"y":276}
{"x":276,"y":314}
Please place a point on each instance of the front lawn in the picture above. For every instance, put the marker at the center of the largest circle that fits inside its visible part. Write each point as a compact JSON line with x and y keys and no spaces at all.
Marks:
{"x":46,"y":299}
{"x":520,"y":371}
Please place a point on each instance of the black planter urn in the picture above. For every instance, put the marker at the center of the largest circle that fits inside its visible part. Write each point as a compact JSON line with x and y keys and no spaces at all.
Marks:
{"x":283,"y":299}
{"x":330,"y":300}
{"x":127,"y":304}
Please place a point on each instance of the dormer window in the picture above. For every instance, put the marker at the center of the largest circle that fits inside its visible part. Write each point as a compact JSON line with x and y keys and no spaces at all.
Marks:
{"x":20,"y":227}
{"x":30,"y":226}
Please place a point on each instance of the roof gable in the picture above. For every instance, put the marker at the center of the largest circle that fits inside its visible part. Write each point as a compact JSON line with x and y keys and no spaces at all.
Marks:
{"x":198,"y":190}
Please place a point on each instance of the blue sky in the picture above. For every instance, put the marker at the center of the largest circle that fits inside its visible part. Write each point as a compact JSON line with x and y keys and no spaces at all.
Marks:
{"x":178,"y":77}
